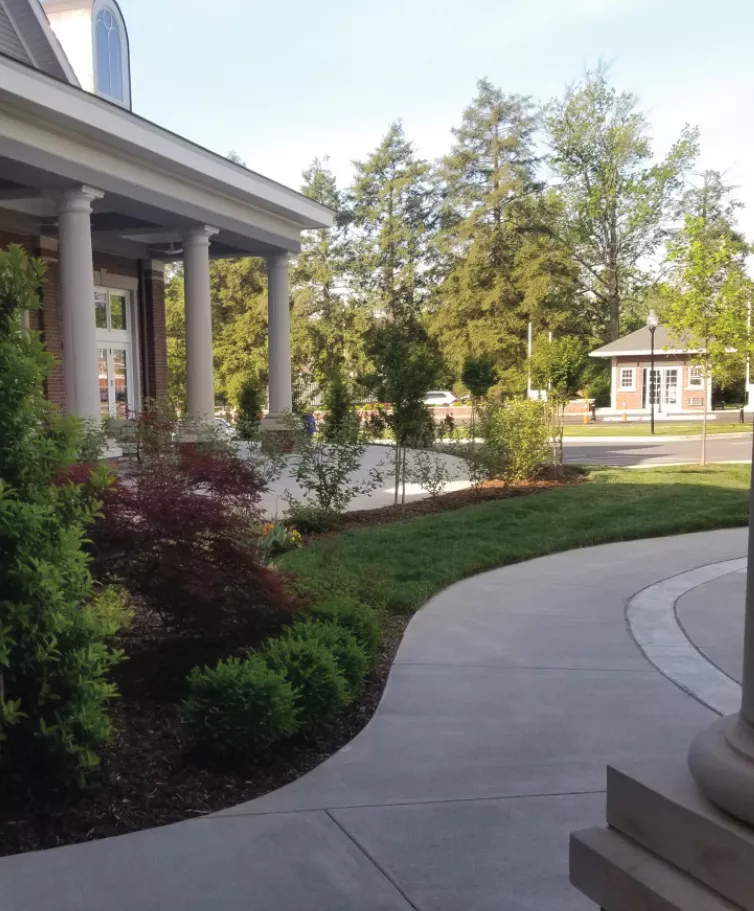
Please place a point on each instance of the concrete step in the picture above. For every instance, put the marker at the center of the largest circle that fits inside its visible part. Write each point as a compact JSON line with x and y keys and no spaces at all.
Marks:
{"x":619,"y":875}
{"x":659,"y":807}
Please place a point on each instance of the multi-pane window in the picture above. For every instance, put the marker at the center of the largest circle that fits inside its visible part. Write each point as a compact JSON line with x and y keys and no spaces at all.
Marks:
{"x":108,"y":45}
{"x":696,"y":377}
{"x":627,"y":378}
{"x":110,"y":310}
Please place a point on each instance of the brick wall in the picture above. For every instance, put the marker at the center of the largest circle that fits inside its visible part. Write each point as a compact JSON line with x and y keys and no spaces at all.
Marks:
{"x":116,"y":265}
{"x":631,"y":399}
{"x":47,"y":320}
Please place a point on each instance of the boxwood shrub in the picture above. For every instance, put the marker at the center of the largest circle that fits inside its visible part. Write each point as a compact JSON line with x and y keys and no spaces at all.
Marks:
{"x":351,"y":657}
{"x":362,"y":621}
{"x":319,"y":687}
{"x":239,"y":707}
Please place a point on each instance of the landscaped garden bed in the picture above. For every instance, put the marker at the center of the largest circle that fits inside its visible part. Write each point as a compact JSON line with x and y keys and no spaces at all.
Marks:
{"x":164,"y":653}
{"x":150,"y":773}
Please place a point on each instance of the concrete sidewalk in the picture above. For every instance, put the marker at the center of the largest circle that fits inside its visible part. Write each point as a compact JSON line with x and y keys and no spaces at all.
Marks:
{"x":510,"y":694}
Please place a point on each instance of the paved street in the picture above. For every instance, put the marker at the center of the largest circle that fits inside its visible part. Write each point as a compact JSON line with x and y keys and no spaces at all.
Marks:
{"x":663,"y":451}
{"x":510,"y":694}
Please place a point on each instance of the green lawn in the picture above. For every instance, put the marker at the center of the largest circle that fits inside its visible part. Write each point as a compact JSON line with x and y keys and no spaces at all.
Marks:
{"x":618,"y":428}
{"x":399,"y":566}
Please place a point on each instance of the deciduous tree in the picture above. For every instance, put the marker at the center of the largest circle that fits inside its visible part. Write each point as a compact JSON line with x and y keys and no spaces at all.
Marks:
{"x":711,"y":293}
{"x":619,"y":203}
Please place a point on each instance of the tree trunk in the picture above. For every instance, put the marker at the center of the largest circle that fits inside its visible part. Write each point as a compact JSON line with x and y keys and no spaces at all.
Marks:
{"x":614,"y":328}
{"x":704,"y":426}
{"x":403,"y":472}
{"x":397,"y":471}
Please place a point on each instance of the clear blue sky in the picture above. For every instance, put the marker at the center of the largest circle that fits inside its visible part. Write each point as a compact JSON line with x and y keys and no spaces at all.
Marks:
{"x":285,"y":82}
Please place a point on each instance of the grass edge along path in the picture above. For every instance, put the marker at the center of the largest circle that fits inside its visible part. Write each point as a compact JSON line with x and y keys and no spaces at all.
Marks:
{"x":398,"y":567}
{"x":665,"y":429}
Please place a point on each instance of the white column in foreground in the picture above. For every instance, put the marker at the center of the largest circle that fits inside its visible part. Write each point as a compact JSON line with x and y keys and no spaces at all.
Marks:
{"x":200,"y":379}
{"x":80,"y":365}
{"x":721,"y":758}
{"x":279,"y":335}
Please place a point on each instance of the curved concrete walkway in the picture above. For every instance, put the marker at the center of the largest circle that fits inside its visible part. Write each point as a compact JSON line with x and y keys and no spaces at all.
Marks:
{"x":376,"y":458}
{"x":510,"y":694}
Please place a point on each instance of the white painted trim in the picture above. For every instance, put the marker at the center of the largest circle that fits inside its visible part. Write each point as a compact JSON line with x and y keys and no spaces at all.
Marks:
{"x":689,"y":387}
{"x":113,"y":131}
{"x":132,"y":341}
{"x":614,"y":384}
{"x":621,"y":387}
{"x":125,"y":48}
{"x":645,"y":352}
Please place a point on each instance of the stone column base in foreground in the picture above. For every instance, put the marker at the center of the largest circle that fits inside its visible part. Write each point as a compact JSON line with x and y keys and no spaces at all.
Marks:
{"x":665,"y":848}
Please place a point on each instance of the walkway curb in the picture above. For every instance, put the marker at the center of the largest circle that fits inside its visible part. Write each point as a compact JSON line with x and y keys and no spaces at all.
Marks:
{"x":653,"y":622}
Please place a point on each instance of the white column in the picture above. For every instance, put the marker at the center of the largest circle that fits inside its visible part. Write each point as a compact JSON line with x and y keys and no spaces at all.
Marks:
{"x":279,"y":335}
{"x":721,"y":758}
{"x":200,"y":380}
{"x":77,"y":302}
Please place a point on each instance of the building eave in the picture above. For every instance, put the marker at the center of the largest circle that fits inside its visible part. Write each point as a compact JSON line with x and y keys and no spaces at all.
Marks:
{"x":643,"y":352}
{"x":70,"y":108}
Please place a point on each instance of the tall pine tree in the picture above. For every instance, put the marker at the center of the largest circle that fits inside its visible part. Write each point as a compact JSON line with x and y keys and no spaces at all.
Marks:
{"x":327,"y":334}
{"x":389,"y":223}
{"x":487,"y":183}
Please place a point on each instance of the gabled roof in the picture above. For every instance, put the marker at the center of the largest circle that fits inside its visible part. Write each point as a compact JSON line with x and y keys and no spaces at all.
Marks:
{"x":30,"y":39}
{"x":640,"y":343}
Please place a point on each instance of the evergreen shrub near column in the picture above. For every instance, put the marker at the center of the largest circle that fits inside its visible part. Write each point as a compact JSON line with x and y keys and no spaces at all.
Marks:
{"x":55,"y":655}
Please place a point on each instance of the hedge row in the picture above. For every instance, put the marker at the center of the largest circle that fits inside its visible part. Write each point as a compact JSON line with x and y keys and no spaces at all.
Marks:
{"x":293,"y":687}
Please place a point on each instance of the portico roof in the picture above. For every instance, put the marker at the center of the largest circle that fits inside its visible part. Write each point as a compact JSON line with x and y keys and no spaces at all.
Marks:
{"x":157,"y":184}
{"x":639,"y":343}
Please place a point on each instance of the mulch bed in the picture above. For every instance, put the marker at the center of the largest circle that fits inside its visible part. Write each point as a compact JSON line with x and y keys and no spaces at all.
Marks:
{"x":149,"y":776}
{"x":487,"y":492}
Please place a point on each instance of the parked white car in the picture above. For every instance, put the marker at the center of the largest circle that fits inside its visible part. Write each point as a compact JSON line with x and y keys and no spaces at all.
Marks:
{"x":440,"y":397}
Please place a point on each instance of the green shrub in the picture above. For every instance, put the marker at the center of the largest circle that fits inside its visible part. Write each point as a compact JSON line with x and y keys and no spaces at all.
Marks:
{"x":239,"y":707}
{"x":355,"y":616}
{"x":516,"y":439}
{"x":310,"y":519}
{"x":93,"y":443}
{"x":54,"y":651}
{"x":341,"y":424}
{"x":318,"y":685}
{"x":351,"y":657}
{"x":251,"y":402}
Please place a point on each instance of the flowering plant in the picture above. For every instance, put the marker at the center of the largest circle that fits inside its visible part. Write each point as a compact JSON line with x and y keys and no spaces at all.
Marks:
{"x":275,"y":538}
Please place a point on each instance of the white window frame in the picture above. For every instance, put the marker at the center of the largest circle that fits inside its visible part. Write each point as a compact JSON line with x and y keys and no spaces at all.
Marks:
{"x":125,"y":51}
{"x":696,"y":386}
{"x":131,"y":337}
{"x":666,"y":386}
{"x":621,"y":387}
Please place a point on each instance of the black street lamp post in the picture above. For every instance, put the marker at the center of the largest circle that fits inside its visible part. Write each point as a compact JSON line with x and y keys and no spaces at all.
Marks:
{"x":652,"y":324}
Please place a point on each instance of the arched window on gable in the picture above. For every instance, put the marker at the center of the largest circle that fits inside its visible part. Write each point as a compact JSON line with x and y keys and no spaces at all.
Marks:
{"x":109,"y":56}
